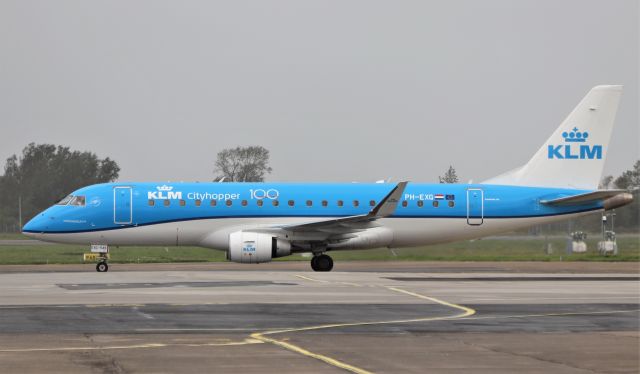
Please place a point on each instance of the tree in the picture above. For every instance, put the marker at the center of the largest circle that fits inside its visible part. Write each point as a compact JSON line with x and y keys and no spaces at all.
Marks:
{"x":44,"y":174}
{"x":243,"y":164}
{"x":605,"y":182}
{"x":450,"y":176}
{"x":630,"y":179}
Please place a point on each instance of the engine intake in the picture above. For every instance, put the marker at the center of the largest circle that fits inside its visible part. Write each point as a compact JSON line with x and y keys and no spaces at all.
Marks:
{"x":252,"y":248}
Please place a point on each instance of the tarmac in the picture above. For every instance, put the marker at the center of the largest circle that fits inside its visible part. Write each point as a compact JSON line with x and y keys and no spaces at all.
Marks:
{"x":364,"y":317}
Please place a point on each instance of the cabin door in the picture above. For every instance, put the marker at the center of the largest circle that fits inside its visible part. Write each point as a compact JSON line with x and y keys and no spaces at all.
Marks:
{"x":475,"y":206}
{"x":122,"y":208}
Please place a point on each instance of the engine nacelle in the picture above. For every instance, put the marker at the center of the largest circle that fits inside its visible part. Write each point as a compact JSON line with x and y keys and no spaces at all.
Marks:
{"x":252,"y":248}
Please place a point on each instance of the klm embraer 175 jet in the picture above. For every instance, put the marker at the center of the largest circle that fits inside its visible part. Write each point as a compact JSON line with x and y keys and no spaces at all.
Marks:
{"x":257,"y":222}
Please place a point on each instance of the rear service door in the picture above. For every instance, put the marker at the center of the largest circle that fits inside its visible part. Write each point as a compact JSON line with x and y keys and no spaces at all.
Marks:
{"x":475,"y":206}
{"x":122,"y":207}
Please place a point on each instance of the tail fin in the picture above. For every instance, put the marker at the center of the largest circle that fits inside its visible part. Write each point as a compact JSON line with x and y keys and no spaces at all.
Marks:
{"x":574,"y":155}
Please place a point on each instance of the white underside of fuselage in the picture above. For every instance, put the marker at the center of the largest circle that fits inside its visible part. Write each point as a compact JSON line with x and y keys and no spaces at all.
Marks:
{"x":214,"y":233}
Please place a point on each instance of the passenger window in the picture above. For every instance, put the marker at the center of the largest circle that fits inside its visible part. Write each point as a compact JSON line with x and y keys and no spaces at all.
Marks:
{"x":213,"y":202}
{"x":244,"y":202}
{"x":167,"y":202}
{"x":356,"y":203}
{"x":291,"y":203}
{"x":183,"y":203}
{"x":259,"y":202}
{"x":309,"y":203}
{"x":435,"y":204}
{"x":325,"y":203}
{"x":275,"y":202}
{"x":404,"y":204}
{"x":451,"y":204}
{"x":340,"y":203}
{"x":77,"y":201}
{"x":229,"y":202}
{"x":420,"y":203}
{"x":152,"y":202}
{"x":198,"y":202}
{"x":372,"y":203}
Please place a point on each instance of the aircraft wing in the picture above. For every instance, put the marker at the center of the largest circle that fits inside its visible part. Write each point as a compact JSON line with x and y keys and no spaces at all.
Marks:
{"x":386,"y":207}
{"x":584,"y":198}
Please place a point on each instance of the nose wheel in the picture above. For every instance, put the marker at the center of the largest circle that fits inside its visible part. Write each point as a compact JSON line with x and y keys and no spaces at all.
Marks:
{"x":321,"y":263}
{"x":102,"y":267}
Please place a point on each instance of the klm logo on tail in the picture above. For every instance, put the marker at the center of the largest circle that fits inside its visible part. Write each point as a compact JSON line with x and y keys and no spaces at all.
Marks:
{"x":573,"y":149}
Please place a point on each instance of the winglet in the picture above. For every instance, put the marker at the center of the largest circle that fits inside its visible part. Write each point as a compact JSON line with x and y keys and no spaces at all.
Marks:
{"x":388,"y":205}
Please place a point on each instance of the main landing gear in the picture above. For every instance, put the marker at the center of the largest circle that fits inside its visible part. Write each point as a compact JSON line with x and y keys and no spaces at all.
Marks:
{"x":321,"y":263}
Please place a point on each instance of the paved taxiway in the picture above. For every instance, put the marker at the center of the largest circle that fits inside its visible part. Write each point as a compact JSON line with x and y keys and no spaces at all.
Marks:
{"x":283,"y":318}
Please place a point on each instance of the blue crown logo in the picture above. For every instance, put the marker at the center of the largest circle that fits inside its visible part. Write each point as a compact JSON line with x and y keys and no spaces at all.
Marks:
{"x":164,"y":188}
{"x":575,"y":136}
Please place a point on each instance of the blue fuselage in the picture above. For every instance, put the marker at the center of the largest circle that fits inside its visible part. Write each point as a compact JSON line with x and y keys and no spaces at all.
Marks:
{"x":117,"y":206}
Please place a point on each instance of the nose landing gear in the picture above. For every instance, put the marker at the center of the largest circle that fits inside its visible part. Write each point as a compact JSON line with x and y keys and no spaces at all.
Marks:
{"x":99,"y":252}
{"x":102,"y":266}
{"x":321,"y":263}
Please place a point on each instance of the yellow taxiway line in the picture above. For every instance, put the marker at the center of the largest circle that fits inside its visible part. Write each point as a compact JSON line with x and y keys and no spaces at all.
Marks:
{"x":342,"y":365}
{"x":134,"y":346}
{"x":294,"y":348}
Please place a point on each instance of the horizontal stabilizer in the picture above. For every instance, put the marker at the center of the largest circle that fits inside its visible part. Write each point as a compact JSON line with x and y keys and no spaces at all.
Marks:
{"x":590,"y":197}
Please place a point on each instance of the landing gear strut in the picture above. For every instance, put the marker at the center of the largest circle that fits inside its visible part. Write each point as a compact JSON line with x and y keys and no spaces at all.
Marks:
{"x":321,"y":263}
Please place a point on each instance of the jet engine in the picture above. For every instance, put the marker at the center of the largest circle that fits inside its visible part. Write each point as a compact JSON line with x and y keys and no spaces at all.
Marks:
{"x":253,"y":248}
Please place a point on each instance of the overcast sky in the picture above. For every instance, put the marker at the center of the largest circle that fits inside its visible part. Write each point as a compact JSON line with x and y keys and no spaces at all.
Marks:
{"x":336,"y":90}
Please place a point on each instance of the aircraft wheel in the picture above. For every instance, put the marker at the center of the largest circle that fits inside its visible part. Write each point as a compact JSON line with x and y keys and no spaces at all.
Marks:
{"x":322,"y":263}
{"x":102,"y":267}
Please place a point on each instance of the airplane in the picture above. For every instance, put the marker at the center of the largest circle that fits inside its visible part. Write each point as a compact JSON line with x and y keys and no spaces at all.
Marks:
{"x":257,"y":222}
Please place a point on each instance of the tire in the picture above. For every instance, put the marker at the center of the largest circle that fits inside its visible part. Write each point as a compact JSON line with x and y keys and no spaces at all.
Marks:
{"x":102,"y":267}
{"x":323,"y":263}
{"x":314,"y":263}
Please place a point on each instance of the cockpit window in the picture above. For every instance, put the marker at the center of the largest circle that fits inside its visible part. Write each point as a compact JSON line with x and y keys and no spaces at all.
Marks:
{"x":65,"y":201}
{"x":77,"y":201}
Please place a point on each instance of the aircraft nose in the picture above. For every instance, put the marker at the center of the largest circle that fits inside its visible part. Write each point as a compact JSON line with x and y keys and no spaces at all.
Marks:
{"x":34,"y":226}
{"x":28,"y":227}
